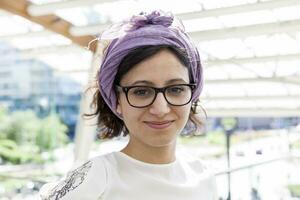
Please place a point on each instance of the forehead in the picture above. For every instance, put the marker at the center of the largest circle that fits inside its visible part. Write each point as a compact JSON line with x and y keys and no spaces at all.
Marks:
{"x":157,"y":69}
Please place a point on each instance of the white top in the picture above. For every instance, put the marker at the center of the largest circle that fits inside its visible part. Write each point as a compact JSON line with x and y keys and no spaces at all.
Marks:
{"x":117,"y":176}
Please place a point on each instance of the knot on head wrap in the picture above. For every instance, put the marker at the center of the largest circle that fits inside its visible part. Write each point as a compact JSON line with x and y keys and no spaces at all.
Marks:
{"x":142,"y":30}
{"x":155,"y":18}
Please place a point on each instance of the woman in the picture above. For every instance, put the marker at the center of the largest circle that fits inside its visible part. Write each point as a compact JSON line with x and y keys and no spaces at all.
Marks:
{"x":149,"y":80}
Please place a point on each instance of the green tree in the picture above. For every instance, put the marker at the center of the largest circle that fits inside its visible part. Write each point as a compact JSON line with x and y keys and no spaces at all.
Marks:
{"x":23,"y":135}
{"x":52,"y":133}
{"x":22,"y":127}
{"x":3,"y":122}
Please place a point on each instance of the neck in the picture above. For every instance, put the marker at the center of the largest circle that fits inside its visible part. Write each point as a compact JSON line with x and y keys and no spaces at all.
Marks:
{"x":149,"y":154}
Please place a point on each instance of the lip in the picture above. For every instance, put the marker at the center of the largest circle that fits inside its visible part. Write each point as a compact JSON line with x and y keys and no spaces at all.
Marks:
{"x":159,"y":124}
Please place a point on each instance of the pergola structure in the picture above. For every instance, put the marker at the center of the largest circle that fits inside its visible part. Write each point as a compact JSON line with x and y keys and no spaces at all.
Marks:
{"x":250,"y":49}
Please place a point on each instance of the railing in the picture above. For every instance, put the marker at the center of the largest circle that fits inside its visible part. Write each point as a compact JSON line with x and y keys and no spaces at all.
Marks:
{"x":254,"y":192}
{"x":234,"y":169}
{"x":218,"y":173}
{"x":41,"y":181}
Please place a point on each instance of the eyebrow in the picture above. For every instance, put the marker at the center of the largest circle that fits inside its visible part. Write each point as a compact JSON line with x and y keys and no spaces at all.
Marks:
{"x":152,"y":84}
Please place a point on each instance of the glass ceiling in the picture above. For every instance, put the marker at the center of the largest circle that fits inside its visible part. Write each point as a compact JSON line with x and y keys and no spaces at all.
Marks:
{"x":250,"y":49}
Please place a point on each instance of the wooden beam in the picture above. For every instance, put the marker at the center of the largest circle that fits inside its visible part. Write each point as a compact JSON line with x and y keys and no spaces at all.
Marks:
{"x":50,"y":22}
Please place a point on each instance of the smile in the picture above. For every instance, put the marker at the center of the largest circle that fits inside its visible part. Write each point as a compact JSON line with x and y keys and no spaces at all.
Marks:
{"x":159,"y":125}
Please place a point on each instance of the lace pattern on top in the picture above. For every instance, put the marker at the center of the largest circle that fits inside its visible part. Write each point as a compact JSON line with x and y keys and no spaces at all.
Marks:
{"x":73,"y":179}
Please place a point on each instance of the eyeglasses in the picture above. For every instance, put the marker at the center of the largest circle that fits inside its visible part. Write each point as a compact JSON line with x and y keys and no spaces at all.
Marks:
{"x":143,"y":96}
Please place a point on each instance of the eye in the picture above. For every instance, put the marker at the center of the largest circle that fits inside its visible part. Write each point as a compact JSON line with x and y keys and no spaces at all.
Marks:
{"x":176,"y":90}
{"x":141,"y":91}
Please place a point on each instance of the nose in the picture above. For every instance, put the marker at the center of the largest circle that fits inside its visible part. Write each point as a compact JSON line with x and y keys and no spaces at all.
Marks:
{"x":160,"y":106}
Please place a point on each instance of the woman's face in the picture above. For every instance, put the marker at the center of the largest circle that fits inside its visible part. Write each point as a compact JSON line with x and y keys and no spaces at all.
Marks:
{"x":158,"y":124}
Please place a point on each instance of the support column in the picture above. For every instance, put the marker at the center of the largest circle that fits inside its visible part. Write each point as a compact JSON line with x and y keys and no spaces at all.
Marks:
{"x":86,"y":129}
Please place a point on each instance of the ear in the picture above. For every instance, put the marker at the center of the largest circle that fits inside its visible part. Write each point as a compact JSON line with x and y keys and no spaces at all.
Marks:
{"x":119,"y":108}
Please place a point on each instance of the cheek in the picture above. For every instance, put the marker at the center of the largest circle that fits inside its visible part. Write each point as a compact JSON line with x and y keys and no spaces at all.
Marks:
{"x":133,"y":120}
{"x":184,"y":112}
{"x":130,"y":114}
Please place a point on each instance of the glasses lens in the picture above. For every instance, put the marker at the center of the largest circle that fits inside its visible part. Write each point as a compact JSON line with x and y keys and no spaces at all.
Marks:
{"x":178,"y":94}
{"x":141,"y":96}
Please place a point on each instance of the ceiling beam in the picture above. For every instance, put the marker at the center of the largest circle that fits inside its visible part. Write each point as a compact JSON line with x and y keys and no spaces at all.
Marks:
{"x":251,"y":7}
{"x":251,"y":98}
{"x":206,"y":63}
{"x":35,"y":52}
{"x":97,"y":29}
{"x":253,"y":112}
{"x":215,"y":34}
{"x":31,"y":34}
{"x":246,"y":31}
{"x":198,"y":36}
{"x":295,"y":80}
{"x":262,"y":59}
{"x":50,"y":8}
{"x":51,"y":22}
{"x":3,"y":13}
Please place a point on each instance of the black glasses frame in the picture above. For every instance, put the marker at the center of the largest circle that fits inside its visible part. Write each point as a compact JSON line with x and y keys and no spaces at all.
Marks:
{"x":125,"y":89}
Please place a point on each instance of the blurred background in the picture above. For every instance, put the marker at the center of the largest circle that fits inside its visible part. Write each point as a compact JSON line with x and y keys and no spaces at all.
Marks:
{"x":250,"y":52}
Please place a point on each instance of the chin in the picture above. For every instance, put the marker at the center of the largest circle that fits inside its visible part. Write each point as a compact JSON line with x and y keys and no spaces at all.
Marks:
{"x":162,"y":142}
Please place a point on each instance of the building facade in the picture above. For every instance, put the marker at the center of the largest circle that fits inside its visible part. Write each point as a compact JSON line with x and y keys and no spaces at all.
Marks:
{"x":31,"y":84}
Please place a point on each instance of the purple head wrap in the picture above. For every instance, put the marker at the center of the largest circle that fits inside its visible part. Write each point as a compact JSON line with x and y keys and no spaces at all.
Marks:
{"x":152,"y":29}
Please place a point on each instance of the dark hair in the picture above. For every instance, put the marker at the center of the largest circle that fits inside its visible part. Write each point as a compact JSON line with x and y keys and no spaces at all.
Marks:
{"x":108,"y":123}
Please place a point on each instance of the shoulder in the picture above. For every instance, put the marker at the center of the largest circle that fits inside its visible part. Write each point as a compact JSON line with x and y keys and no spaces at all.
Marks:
{"x":196,"y":165}
{"x":87,"y":181}
{"x":203,"y":171}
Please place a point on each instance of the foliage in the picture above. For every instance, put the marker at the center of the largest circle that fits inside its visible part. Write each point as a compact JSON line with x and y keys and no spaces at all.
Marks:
{"x":214,"y":138}
{"x":211,"y":138}
{"x":22,"y":127}
{"x":294,"y":190}
{"x":3,"y":121}
{"x":229,"y":123}
{"x":218,"y":138}
{"x":296,"y":144}
{"x":23,"y":136}
{"x":49,"y":135}
{"x":15,"y":154}
{"x":8,"y":185}
{"x":249,"y":136}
